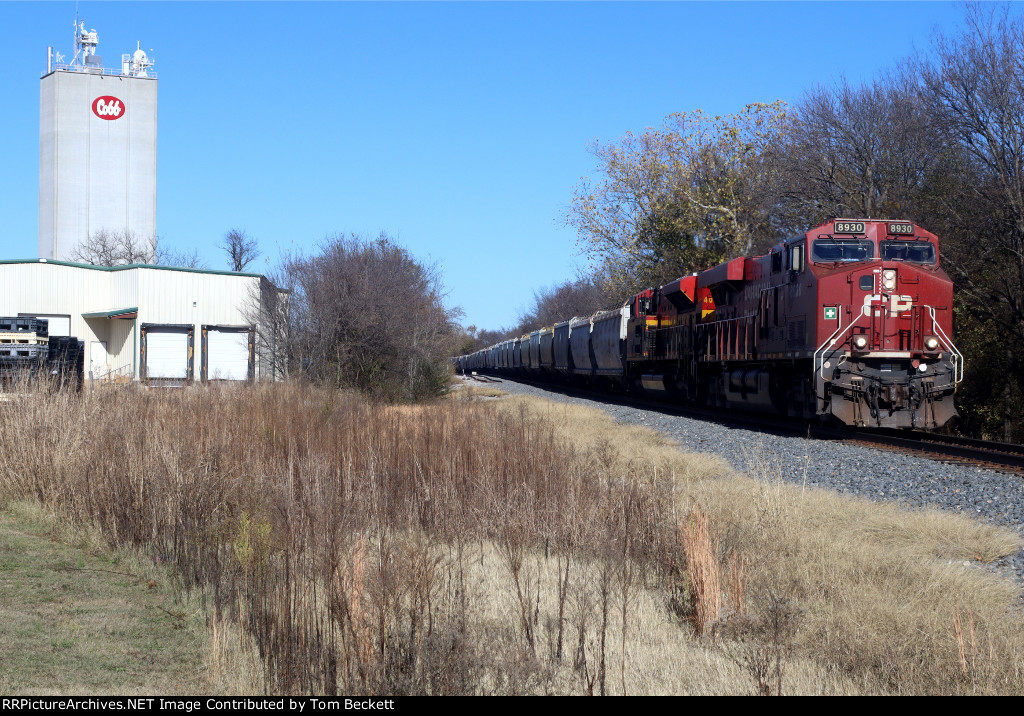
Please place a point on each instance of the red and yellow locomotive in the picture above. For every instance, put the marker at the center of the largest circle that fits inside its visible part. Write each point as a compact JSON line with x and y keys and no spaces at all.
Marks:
{"x":852,"y":320}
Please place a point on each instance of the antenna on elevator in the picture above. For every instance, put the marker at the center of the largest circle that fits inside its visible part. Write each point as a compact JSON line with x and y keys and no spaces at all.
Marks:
{"x":85,"y":46}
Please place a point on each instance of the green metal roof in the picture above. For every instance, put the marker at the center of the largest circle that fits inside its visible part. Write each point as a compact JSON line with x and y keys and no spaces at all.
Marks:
{"x":110,"y":314}
{"x":129,"y":266}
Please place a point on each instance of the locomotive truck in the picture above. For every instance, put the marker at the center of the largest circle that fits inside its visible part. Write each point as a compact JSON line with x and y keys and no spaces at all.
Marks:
{"x":851,"y":321}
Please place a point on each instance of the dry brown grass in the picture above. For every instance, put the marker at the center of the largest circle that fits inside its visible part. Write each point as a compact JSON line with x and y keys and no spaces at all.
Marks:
{"x":704,"y":570}
{"x":875,"y":587}
{"x":336,"y":532}
{"x":466,"y":390}
{"x":513,"y":546}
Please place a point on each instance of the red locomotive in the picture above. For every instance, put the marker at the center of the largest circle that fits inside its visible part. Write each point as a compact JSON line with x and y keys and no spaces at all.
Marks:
{"x":851,"y":320}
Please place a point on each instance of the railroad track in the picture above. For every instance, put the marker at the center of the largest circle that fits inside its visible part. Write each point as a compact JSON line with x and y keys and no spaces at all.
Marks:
{"x":482,"y":378}
{"x":1002,"y":457}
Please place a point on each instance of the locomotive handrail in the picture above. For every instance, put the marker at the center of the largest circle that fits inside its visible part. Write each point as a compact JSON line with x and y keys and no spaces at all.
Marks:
{"x":727,"y":320}
{"x":734,"y":319}
{"x":956,"y":356}
{"x":829,"y":342}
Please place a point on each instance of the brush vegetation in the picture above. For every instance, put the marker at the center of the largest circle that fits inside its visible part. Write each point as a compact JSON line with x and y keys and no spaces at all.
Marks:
{"x":515,"y":546}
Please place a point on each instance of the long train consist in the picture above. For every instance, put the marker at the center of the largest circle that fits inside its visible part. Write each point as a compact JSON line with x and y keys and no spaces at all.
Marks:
{"x":852,"y":320}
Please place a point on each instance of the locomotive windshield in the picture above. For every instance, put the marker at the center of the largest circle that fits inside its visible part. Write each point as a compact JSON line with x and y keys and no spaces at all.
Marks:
{"x":920,"y":252}
{"x":828,"y":250}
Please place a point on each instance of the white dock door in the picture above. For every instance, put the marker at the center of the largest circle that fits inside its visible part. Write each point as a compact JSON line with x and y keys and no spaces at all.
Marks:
{"x":167,"y":354}
{"x":227,"y":355}
{"x":58,"y":325}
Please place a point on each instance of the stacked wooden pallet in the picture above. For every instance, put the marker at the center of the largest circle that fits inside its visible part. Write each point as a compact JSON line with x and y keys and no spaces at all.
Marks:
{"x":27,"y":351}
{"x":23,"y":346}
{"x":22,"y":341}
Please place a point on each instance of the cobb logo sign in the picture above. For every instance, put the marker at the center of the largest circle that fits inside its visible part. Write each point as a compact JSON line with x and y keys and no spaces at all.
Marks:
{"x":107,"y":107}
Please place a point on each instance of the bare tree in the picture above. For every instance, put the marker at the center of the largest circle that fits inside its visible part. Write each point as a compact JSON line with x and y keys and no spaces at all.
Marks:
{"x":864,"y":151}
{"x":579,"y":297}
{"x":116,"y":248}
{"x":121,"y":248}
{"x":241,"y":249}
{"x":363,"y":314}
{"x":562,"y":302}
{"x":267,"y":310}
{"x":975,"y":87}
{"x":179,"y":259}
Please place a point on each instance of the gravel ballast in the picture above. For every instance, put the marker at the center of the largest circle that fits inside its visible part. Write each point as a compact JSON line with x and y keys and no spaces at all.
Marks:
{"x":849,"y":469}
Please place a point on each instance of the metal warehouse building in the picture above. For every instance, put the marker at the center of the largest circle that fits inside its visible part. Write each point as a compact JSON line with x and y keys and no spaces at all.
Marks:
{"x":97,"y":173}
{"x":163,"y":325}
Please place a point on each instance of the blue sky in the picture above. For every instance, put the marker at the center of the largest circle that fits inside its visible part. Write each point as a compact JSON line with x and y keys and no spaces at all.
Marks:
{"x":459,"y":128}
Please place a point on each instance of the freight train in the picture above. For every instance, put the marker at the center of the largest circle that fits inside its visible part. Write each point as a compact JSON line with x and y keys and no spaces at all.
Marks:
{"x":852,"y":321}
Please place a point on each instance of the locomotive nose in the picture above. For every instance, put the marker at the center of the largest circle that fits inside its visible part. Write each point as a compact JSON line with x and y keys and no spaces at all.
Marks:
{"x":893,"y":367}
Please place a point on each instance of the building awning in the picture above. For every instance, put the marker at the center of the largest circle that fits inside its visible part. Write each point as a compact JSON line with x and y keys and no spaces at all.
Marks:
{"x":114,"y":313}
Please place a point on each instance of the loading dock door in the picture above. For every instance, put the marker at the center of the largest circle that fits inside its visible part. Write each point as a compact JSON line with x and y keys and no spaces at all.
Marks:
{"x":56,"y":325}
{"x":167,"y":354}
{"x":227,"y":355}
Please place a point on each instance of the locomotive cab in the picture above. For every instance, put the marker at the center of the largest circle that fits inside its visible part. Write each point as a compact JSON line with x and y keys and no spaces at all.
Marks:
{"x":644,"y":321}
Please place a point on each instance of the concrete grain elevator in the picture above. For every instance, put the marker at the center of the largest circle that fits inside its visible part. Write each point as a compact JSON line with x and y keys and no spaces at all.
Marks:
{"x":97,"y":148}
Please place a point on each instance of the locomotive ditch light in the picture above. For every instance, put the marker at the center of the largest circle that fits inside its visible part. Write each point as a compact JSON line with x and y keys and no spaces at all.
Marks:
{"x":931,"y":343}
{"x":889,"y":279}
{"x":860,"y":342}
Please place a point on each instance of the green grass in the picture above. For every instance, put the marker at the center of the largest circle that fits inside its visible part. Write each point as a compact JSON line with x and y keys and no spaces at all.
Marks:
{"x":75,"y":620}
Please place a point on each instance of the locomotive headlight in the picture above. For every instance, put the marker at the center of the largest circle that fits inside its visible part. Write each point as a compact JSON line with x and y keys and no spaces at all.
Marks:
{"x":860,"y":342}
{"x":931,"y":343}
{"x":889,"y":279}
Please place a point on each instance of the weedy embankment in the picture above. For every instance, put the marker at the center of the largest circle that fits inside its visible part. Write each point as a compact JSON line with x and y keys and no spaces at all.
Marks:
{"x":865,"y":590}
{"x":533,"y":548}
